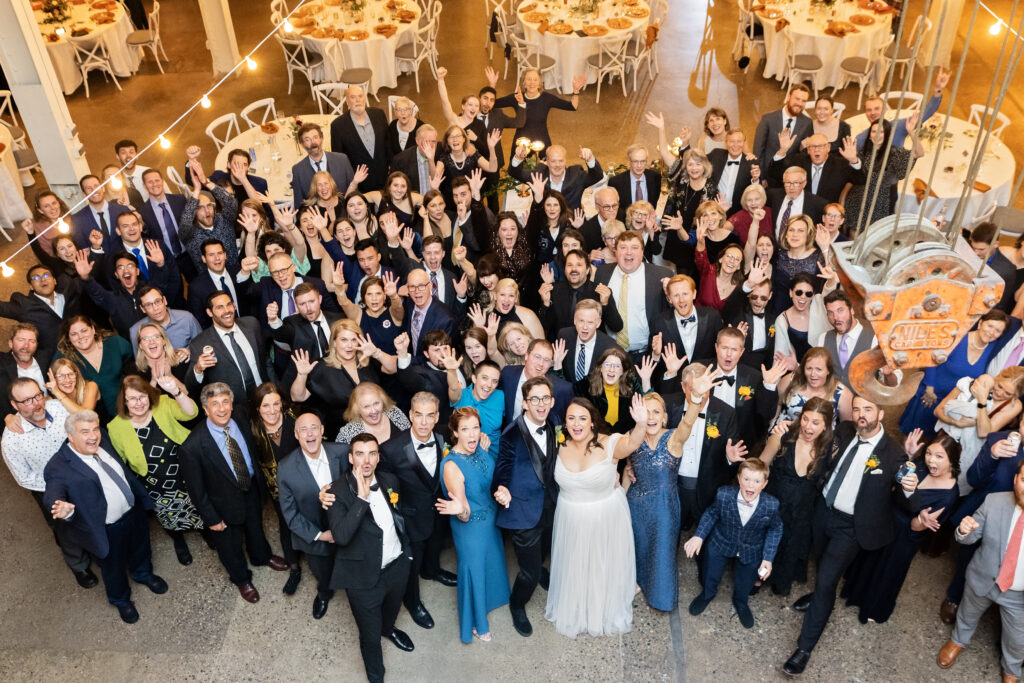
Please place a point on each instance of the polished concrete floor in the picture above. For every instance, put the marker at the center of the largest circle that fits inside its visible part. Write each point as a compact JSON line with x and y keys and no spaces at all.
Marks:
{"x":202,"y":630}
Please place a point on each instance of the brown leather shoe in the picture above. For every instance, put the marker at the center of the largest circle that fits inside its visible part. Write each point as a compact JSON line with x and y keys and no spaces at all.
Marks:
{"x":277,"y":563}
{"x":1010,"y":678}
{"x":948,"y":654}
{"x":249,"y":592}
{"x":947,"y":611}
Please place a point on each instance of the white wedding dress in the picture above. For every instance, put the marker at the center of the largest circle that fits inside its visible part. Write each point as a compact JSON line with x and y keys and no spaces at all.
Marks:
{"x":593,"y":565}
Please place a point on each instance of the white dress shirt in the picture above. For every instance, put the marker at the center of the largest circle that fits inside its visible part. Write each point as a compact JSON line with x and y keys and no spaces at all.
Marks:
{"x":724,"y":391}
{"x":517,"y":404}
{"x":689,"y":465}
{"x":759,"y":326}
{"x":427,"y":455}
{"x":688,"y":333}
{"x":141,"y":246}
{"x":846,"y":499}
{"x":746,"y":509}
{"x":999,"y":360}
{"x":796,"y":210}
{"x":1018,"y":576}
{"x":33,"y":371}
{"x":215,"y":277}
{"x":247,"y":350}
{"x":815,"y":176}
{"x":320,"y":468}
{"x":439,"y":275}
{"x":57,"y":305}
{"x":634,"y":183}
{"x":727,"y":183}
{"x":542,"y":438}
{"x":637,"y":324}
{"x":381,"y":510}
{"x":117,"y":504}
{"x":588,"y":355}
{"x":28,"y":453}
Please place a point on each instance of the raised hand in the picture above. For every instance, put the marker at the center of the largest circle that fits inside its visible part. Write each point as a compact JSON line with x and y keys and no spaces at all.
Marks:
{"x":545,"y":293}
{"x":560,"y":352}
{"x":408,"y":238}
{"x":773,"y":375}
{"x":638,"y":409}
{"x":785,"y":141}
{"x":95,"y":239}
{"x":685,"y":135}
{"x":675,"y":223}
{"x":967,"y":525}
{"x":578,"y":217}
{"x":656,"y":120}
{"x":167,"y":382}
{"x":603,"y":292}
{"x":518,"y":94}
{"x":390,"y":283}
{"x":780,"y":429}
{"x":848,"y":150}
{"x":461,"y":286}
{"x":492,"y":325}
{"x":193,"y":152}
{"x":735,"y":452}
{"x":578,"y":82}
{"x":743,"y":327}
{"x":302,"y":364}
{"x":249,"y":221}
{"x":491,"y":75}
{"x":83,"y":266}
{"x":827,"y":272}
{"x":656,"y":345}
{"x":673,"y":362}
{"x":402,"y":344}
{"x":702,"y":384}
{"x":723,"y":202}
{"x":449,"y":360}
{"x":493,"y":138}
{"x":476,"y":314}
{"x":646,"y":369}
{"x":273,"y":310}
{"x":366,"y":346}
{"x":537,"y":184}
{"x":438,"y":177}
{"x":586,"y":154}
{"x":389,"y":224}
{"x":459,"y":254}
{"x":442,"y":72}
{"x":547,"y":273}
{"x":154,"y":254}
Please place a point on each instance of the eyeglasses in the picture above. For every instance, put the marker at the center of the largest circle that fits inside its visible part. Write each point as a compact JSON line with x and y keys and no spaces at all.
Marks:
{"x":310,"y":429}
{"x":834,"y":215}
{"x":150,"y":337}
{"x":803,"y":292}
{"x":39,"y":397}
{"x":817,"y":146}
{"x":793,"y":183}
{"x":123,"y":267}
{"x":151,"y":304}
{"x":612,"y":366}
{"x":282,"y":271}
{"x":732,"y":257}
{"x":758,"y":297}
{"x":417,"y":288}
{"x":402,"y":110}
{"x":608,"y":206}
{"x":43,"y":276}
{"x":539,"y":400}
{"x":136,"y":399}
{"x":541,"y":359}
{"x":65,"y":375}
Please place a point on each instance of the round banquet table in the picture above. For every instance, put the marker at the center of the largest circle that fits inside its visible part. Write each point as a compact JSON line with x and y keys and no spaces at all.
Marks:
{"x":360,"y":45}
{"x":807,"y":24}
{"x":570,"y":51}
{"x":997,"y":168}
{"x":124,"y":59}
{"x":274,"y":154}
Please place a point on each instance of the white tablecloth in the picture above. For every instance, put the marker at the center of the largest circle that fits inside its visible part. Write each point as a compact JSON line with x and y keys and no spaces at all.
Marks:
{"x":7,"y":161}
{"x":997,"y":169}
{"x":275,"y":154}
{"x":570,"y":51}
{"x":807,"y":25}
{"x":124,"y":59}
{"x":375,"y":51}
{"x":13,"y":209}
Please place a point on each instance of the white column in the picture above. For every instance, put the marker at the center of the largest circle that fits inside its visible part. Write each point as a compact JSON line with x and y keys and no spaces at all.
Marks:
{"x":220,"y":35}
{"x":40,"y":101}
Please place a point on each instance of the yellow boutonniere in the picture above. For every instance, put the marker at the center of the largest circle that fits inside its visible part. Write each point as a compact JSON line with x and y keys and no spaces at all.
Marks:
{"x":871,"y":464}
{"x":745,"y":391}
{"x":445,"y":454}
{"x":559,"y":435}
{"x":771,"y":331}
{"x":712,"y":431}
{"x":393,"y":497}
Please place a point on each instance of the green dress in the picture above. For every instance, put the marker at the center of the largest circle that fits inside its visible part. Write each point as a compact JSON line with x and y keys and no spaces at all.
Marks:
{"x":117,"y":361}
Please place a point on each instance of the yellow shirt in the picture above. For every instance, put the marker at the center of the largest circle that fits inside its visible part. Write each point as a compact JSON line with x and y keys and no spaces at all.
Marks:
{"x":612,"y":394}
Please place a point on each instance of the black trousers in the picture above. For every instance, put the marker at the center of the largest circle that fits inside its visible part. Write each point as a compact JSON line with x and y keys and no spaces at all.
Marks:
{"x":322,"y":567}
{"x":426,"y":560}
{"x":75,"y":556}
{"x":230,"y":540}
{"x":835,"y":543}
{"x":689,"y":515}
{"x":129,"y":553}
{"x":291,"y":556}
{"x":529,"y":547}
{"x":375,"y":610}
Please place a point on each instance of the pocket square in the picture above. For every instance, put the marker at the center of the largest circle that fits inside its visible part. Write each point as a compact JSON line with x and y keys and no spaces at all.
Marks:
{"x":876,"y":471}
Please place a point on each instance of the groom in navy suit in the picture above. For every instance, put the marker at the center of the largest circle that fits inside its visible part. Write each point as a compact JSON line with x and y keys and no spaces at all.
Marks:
{"x":524,"y":484}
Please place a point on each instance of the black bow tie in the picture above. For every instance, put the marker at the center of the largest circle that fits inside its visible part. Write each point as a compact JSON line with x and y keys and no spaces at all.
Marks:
{"x":429,"y":444}
{"x":691,"y":319}
{"x":541,"y":429}
{"x":732,"y":163}
{"x":729,"y":379}
{"x":700,"y":415}
{"x":758,"y":315}
{"x":375,"y":486}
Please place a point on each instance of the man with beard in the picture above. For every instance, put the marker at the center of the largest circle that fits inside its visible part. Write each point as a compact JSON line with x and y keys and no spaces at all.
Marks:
{"x":854,"y":513}
{"x":201,"y":221}
{"x":311,"y":137}
{"x":788,"y":120}
{"x":559,"y":299}
{"x":847,"y":338}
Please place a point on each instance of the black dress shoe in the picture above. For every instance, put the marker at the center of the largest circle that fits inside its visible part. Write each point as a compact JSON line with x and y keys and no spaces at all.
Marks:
{"x":155,"y":584}
{"x":292,"y":584}
{"x":446,"y":578}
{"x":129,"y":614}
{"x":86,"y":579}
{"x":796,"y":663}
{"x":401,"y":640}
{"x":319,"y":607}
{"x":699,"y":604}
{"x":803,"y":602}
{"x":521,"y":622}
{"x":745,"y":615}
{"x":421,"y":616}
{"x":545,"y":578}
{"x":184,"y":555}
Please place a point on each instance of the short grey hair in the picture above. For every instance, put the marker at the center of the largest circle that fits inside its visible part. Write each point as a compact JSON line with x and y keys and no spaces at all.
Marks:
{"x":425,"y":397}
{"x":215,"y":389}
{"x":72,"y":420}
{"x":691,"y":370}
{"x":750,"y":191}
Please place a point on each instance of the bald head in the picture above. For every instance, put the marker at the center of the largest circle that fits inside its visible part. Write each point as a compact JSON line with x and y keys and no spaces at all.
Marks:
{"x":607,"y":201}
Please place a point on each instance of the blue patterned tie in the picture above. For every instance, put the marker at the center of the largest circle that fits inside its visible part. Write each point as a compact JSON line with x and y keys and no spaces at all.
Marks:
{"x":581,"y":364}
{"x":169,"y":232}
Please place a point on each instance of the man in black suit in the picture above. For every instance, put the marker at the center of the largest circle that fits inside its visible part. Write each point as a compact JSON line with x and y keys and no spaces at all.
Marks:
{"x":230,"y":351}
{"x":98,"y":215}
{"x":497,"y":119}
{"x":161,"y":213}
{"x":226,"y":486}
{"x":21,"y":361}
{"x":217,"y":276}
{"x":559,"y":300}
{"x":853,"y":514}
{"x":414,"y":457}
{"x":793,"y":199}
{"x":309,"y":328}
{"x":300,"y":476}
{"x":277,"y":293}
{"x":152,"y":255}
{"x":790,"y":119}
{"x":424,"y":313}
{"x":44,"y":307}
{"x":361,"y":134}
{"x":540,"y":356}
{"x":638,"y":289}
{"x":639,"y":183}
{"x":981,"y":239}
{"x":311,"y":137}
{"x":103,"y":504}
{"x":752,"y":319}
{"x":690,"y":330}
{"x":829,"y":175}
{"x":730,"y":169}
{"x":606,"y":201}
{"x":373,"y":558}
{"x":471,"y":220}
{"x":584,"y":343}
{"x":418,"y":162}
{"x":402,"y":130}
{"x":445,"y":287}
{"x":122,"y":300}
{"x":571,"y":181}
{"x":429,"y":375}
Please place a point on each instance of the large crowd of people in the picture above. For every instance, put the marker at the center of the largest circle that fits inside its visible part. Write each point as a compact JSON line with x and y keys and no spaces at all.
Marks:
{"x":397,"y":365}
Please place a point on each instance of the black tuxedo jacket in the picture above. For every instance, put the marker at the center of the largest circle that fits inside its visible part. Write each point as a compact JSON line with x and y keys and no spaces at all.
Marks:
{"x":508,"y":381}
{"x":83,"y":222}
{"x":9,"y":373}
{"x":709,"y":322}
{"x":743,"y":313}
{"x":225,"y":370}
{"x":299,"y":496}
{"x":29,"y":308}
{"x":345,"y":138}
{"x":754,"y":405}
{"x":602,"y":342}
{"x":814,"y":206}
{"x":420,"y":488}
{"x":297,"y":333}
{"x":175,"y":204}
{"x":718,"y":159}
{"x":211,"y":482}
{"x":714,"y":470}
{"x":359,"y":541}
{"x":836,"y":172}
{"x":561,"y":313}
{"x":872,"y":512}
{"x":420,"y":376}
{"x":391,"y":145}
{"x":497,"y":119}
{"x":622,"y":184}
{"x":200,"y":288}
{"x":578,"y":177}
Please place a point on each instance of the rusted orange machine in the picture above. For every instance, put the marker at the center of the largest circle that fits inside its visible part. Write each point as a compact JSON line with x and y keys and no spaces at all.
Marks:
{"x":917,"y":292}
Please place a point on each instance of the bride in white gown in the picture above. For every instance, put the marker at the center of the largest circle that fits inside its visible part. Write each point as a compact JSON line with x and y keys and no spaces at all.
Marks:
{"x":593,"y":567}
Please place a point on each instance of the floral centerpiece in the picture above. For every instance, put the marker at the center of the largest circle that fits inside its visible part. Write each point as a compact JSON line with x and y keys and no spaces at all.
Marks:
{"x":585,"y":7}
{"x":353,"y":5}
{"x":56,"y":11}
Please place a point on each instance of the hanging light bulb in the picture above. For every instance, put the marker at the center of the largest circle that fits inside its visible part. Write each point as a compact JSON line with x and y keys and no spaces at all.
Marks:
{"x":205,"y":102}
{"x":165,"y":143}
{"x":62,"y":227}
{"x":251,"y":63}
{"x":60,"y":31}
{"x":996,"y":27}
{"x":6,"y":270}
{"x":116,"y":183}
{"x":288,"y":28}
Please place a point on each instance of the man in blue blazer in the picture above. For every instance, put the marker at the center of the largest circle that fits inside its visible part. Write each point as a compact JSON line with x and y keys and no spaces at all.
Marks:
{"x":311,"y":137}
{"x":98,"y":215}
{"x":524,"y":486}
{"x":104,"y":505}
{"x":790,"y":117}
{"x":161,"y":214}
{"x":424,"y":313}
{"x":743,"y":523}
{"x":300,"y":476}
{"x":540,"y":355}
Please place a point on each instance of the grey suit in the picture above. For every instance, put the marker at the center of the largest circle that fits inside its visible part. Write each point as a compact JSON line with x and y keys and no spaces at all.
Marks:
{"x":993,"y":517}
{"x":766,"y":138}
{"x":337,"y":164}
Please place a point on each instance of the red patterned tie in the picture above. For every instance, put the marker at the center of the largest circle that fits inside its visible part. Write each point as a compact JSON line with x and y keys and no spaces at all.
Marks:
{"x":1009,"y":568}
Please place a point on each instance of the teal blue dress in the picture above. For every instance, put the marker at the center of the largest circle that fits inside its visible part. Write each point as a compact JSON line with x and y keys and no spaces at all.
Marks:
{"x":483,"y":576}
